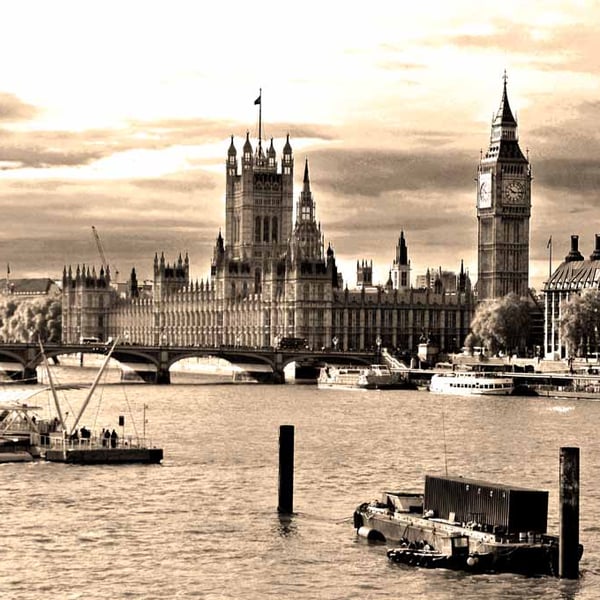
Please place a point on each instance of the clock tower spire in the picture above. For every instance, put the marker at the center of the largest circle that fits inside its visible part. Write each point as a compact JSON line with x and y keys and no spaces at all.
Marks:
{"x":503,"y":210}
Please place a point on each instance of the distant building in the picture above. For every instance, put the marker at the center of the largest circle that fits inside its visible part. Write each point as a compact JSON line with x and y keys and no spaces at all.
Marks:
{"x":437,"y":279}
{"x":571,"y":277}
{"x":31,"y":287}
{"x":400,"y":271}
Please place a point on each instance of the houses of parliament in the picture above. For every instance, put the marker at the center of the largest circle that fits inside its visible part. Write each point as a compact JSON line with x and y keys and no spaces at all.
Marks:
{"x":271,"y":276}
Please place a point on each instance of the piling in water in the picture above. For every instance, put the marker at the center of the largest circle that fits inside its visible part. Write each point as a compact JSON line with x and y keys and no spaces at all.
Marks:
{"x":286,"y":469}
{"x":568,"y":550}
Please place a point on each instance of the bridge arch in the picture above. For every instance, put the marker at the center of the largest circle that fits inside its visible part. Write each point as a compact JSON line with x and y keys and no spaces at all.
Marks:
{"x":155,"y":361}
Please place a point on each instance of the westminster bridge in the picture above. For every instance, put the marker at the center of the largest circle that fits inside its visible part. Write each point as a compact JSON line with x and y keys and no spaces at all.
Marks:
{"x":152,"y":363}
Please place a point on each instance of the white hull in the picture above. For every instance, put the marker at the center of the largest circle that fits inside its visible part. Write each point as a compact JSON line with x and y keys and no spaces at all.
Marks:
{"x":470,"y":384}
{"x":356,"y":378}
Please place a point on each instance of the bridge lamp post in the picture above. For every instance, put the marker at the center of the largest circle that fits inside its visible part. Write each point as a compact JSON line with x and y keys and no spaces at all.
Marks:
{"x":335,"y":342}
{"x":378,"y":342}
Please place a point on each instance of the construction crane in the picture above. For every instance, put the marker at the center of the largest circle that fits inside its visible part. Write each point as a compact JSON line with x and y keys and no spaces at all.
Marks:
{"x":100,"y":248}
{"x":101,"y":252}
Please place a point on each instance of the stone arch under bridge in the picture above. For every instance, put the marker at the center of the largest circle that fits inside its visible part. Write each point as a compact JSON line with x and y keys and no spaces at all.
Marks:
{"x":152,"y":363}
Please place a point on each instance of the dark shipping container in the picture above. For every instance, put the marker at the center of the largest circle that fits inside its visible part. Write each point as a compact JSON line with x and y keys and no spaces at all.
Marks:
{"x":495,"y":507}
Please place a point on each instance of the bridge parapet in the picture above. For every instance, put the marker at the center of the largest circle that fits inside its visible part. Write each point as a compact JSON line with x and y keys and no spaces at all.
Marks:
{"x":21,"y":360}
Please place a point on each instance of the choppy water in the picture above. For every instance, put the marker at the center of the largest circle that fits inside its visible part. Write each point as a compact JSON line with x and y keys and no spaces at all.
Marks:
{"x":204,"y":523}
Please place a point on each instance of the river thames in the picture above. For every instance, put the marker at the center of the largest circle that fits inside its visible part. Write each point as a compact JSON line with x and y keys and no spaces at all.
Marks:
{"x":204,"y":523}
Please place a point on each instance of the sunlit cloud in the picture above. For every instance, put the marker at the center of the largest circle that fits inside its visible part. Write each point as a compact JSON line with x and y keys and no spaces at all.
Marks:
{"x":120,"y":116}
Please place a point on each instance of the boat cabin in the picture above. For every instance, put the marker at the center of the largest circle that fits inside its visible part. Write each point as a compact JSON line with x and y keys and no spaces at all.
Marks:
{"x":488,"y":507}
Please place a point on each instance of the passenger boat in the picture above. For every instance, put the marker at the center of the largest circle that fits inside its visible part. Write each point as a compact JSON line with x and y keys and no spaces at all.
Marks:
{"x":23,"y":432}
{"x":467,"y":383}
{"x":372,"y":377}
{"x":466,"y":524}
{"x":19,"y":432}
{"x":69,"y":444}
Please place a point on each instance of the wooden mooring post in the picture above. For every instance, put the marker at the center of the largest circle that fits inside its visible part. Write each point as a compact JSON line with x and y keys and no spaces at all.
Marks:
{"x":568,"y":549}
{"x":286,"y":469}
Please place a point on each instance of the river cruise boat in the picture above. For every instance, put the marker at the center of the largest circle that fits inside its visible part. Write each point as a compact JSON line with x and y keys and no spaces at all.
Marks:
{"x":467,"y":383}
{"x":19,"y":432}
{"x":372,"y":377}
{"x":464,"y":524}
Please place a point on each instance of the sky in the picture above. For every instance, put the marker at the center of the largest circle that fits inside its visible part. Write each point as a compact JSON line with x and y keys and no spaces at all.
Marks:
{"x":118,"y":115}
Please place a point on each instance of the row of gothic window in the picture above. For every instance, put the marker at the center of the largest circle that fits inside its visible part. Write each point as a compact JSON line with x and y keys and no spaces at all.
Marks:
{"x":266,"y":229}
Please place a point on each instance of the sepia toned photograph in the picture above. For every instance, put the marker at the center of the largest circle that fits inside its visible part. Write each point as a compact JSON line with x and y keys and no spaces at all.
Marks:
{"x":299,"y":300}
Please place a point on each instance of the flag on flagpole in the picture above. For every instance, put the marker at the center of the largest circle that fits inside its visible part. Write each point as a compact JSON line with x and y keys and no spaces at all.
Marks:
{"x":8,"y":268}
{"x":257,"y":101}
{"x":549,"y":242}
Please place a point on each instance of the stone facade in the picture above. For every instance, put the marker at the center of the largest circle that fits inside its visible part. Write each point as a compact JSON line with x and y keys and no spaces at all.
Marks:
{"x":571,"y":277}
{"x":503,"y":211}
{"x":271,"y":278}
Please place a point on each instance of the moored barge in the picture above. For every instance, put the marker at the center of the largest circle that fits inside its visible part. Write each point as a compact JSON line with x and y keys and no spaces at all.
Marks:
{"x":465,"y":524}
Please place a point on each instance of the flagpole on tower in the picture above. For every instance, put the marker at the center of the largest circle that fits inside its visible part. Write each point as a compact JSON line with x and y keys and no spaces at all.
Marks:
{"x":259,"y":102}
{"x":549,"y":247}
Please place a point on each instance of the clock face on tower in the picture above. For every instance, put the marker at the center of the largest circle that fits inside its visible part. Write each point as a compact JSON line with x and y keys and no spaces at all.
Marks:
{"x":485,"y":190}
{"x":514,"y":191}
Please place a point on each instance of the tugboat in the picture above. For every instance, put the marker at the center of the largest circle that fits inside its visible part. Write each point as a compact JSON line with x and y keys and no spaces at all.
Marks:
{"x":466,"y":524}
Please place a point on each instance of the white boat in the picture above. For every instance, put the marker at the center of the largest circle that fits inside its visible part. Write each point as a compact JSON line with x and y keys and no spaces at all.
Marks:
{"x":470,"y":383}
{"x":372,"y":377}
{"x":19,"y":432}
{"x":23,"y":432}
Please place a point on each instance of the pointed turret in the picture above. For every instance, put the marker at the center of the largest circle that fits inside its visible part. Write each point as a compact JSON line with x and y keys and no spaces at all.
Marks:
{"x":504,"y":115}
{"x":247,"y":152}
{"x":134,"y":291}
{"x":401,"y":265}
{"x":231,"y":151}
{"x":504,"y":138}
{"x":306,"y":179}
{"x":231,"y":160}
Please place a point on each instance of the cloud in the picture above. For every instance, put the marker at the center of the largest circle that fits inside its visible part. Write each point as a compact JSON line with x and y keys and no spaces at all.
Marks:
{"x":372,"y":172}
{"x":33,"y":157}
{"x":577,"y":176}
{"x":183,"y":183}
{"x":55,"y":148}
{"x":13,"y":109}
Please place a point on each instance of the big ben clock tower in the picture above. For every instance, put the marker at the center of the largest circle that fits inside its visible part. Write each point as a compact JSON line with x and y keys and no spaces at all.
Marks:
{"x":503,"y":210}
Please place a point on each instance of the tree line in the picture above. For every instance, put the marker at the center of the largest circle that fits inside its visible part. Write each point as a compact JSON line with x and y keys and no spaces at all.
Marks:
{"x":29,"y":319}
{"x":503,"y":325}
{"x":500,"y":325}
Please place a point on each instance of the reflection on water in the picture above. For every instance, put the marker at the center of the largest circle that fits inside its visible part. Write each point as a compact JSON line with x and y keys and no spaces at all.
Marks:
{"x":204,"y":524}
{"x":287,"y":525}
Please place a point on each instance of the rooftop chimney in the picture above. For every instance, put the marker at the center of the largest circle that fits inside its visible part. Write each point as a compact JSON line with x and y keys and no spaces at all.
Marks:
{"x":596,"y":253}
{"x":574,"y":254}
